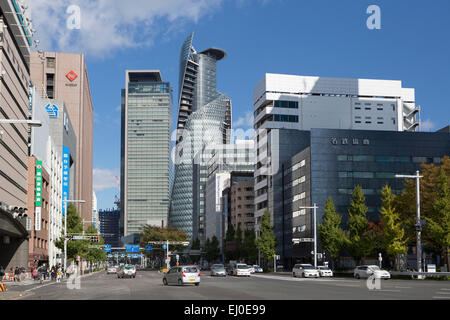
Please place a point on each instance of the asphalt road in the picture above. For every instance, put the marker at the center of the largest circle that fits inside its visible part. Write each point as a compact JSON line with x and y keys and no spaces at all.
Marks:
{"x":148,"y":286}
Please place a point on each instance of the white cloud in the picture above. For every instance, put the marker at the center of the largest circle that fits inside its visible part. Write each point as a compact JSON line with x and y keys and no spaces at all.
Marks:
{"x":244,"y":122}
{"x":109,"y":25}
{"x":104,"y":179}
{"x":427,"y":125}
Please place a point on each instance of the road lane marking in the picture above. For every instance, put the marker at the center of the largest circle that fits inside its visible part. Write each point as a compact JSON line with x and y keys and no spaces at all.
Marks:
{"x":448,"y":298}
{"x":442,"y":292}
{"x":305,"y":279}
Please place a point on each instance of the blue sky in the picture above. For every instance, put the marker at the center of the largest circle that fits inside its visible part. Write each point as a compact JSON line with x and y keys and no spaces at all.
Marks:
{"x":326,"y":38}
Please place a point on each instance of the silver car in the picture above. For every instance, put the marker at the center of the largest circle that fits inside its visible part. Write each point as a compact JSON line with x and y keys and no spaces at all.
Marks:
{"x":218,"y":270}
{"x":182,"y":275}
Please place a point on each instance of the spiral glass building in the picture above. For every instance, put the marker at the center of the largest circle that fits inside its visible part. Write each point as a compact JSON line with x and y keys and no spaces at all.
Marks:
{"x":204,"y":119}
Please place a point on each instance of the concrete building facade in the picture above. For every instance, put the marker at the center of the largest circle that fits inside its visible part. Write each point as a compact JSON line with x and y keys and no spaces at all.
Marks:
{"x":64,"y":77}
{"x":15,"y":43}
{"x":296,"y":103}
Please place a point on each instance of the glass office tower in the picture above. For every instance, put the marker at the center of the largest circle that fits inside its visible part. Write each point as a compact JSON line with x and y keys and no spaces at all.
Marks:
{"x":204,"y":119}
{"x":146,"y":148}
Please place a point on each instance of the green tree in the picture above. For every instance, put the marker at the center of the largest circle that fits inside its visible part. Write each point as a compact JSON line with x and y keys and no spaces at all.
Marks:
{"x":266,"y":242}
{"x":359,"y":244}
{"x":195,"y":246}
{"x":432,"y":187}
{"x":332,"y":237}
{"x":230,"y":245}
{"x":238,"y":243}
{"x":250,"y":251}
{"x":393,"y":233}
{"x":437,"y":227}
{"x":212,"y":250}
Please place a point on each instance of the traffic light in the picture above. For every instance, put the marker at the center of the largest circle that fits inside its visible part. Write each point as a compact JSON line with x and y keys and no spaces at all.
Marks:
{"x":95,"y":239}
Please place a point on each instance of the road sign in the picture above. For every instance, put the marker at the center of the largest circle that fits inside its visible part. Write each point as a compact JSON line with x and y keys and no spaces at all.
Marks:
{"x":116,"y":255}
{"x":77,"y":237}
{"x":148,"y":248}
{"x":178,"y":258}
{"x":164,"y":246}
{"x":297,"y":240}
{"x":277,"y":257}
{"x":167,"y":260}
{"x":122,"y":255}
{"x":132,"y":248}
{"x":109,"y":255}
{"x":78,"y":258}
{"x":107,"y":248}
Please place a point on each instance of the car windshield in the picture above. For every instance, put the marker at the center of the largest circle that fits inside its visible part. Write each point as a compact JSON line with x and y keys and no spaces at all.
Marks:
{"x":308,"y":267}
{"x":218,"y":266}
{"x":324,"y":268}
{"x":375,"y":268}
{"x":190,"y":270}
{"x":242,"y":266}
{"x":129,"y":267}
{"x":255,"y":266}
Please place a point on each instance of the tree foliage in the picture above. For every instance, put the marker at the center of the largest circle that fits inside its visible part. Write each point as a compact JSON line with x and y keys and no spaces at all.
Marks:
{"x":393,"y":233}
{"x":332,"y":237}
{"x":212,"y":250}
{"x":433,"y":203}
{"x":267,"y":240}
{"x":359,"y":244}
{"x":249,"y":249}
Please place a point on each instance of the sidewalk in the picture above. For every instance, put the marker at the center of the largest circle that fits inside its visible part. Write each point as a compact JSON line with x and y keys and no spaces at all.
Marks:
{"x":14,"y":295}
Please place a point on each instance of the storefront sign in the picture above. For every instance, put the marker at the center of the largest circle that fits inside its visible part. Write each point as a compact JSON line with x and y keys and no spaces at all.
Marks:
{"x":65,"y":177}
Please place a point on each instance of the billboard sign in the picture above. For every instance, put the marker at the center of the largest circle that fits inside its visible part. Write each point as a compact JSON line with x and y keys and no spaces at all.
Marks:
{"x":65,"y":177}
{"x":38,"y":199}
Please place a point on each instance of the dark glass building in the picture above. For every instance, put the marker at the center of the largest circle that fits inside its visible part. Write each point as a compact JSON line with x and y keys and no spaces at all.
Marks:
{"x":331,"y":164}
{"x":109,"y":226}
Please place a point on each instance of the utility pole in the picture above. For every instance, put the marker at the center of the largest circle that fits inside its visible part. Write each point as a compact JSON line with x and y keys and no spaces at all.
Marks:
{"x":315,"y":207}
{"x":418,"y":222}
{"x":65,"y":228}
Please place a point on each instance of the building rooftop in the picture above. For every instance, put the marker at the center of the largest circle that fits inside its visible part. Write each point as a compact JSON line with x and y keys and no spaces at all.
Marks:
{"x":215,"y":53}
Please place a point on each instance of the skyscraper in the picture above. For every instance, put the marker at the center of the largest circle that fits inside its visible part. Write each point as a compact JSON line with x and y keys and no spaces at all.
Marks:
{"x":145,"y":151}
{"x":204,"y":119}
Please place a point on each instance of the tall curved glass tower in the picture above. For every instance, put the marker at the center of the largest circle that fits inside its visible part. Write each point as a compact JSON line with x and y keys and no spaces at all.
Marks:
{"x":204,"y":119}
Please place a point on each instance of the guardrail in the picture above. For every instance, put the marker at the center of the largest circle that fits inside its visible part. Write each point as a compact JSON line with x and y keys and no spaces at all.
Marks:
{"x":415,"y":273}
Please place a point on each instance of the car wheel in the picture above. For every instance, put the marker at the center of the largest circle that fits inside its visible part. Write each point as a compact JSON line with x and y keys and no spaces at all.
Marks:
{"x":303,"y":275}
{"x":357,"y":276}
{"x":165,"y":282}
{"x":197,"y":284}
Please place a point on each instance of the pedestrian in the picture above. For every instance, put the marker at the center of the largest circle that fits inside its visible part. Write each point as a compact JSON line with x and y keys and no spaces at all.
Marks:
{"x":58,"y":274}
{"x":17,"y":275}
{"x":34,"y":273}
{"x":53,"y":271}
{"x":2,"y":273}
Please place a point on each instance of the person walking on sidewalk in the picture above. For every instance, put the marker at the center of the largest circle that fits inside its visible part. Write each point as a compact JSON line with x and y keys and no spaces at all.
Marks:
{"x":58,"y":274}
{"x":17,"y":274}
{"x":2,"y":273}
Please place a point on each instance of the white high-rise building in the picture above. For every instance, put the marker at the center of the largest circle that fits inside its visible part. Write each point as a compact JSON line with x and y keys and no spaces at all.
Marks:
{"x":95,"y":221}
{"x":302,"y":103}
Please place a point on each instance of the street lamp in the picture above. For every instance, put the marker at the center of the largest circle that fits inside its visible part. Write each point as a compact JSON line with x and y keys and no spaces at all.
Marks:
{"x":418,"y":224}
{"x":31,"y":123}
{"x":65,"y":228}
{"x":315,"y":207}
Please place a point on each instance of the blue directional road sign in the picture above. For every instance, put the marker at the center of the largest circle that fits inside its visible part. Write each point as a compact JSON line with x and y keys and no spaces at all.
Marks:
{"x":122,"y":255}
{"x":135,"y":256}
{"x":148,"y":248}
{"x":116,"y":255}
{"x":133,"y":248}
{"x":107,"y":248}
{"x":164,"y":246}
{"x":109,"y":255}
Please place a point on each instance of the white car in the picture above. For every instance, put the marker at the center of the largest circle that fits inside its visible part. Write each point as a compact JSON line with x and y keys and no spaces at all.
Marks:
{"x":252,"y":269}
{"x":127,"y":270}
{"x":241,"y":270}
{"x":258,"y":269}
{"x":182,"y":275}
{"x":367,"y":271}
{"x":324,"y":271}
{"x":305,"y":271}
{"x":111,"y":269}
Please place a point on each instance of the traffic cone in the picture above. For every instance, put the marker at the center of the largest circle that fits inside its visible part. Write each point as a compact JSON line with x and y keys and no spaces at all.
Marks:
{"x":2,"y":287}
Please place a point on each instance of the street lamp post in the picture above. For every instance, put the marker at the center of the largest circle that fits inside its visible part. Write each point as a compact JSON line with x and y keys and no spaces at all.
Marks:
{"x":418,"y":224}
{"x":31,"y":123}
{"x":315,"y":207}
{"x":65,"y":228}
